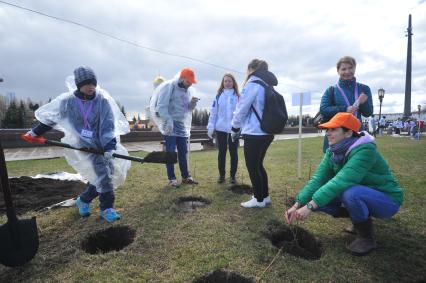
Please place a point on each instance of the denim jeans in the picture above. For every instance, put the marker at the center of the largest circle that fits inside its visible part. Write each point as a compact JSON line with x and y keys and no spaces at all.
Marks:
{"x":182,"y":148}
{"x":106,"y":200}
{"x":362,"y":202}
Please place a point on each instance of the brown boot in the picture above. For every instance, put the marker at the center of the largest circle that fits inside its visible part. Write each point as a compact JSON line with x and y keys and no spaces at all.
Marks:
{"x":364,"y":243}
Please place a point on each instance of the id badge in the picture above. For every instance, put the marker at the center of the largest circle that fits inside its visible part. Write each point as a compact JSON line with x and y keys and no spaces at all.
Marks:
{"x":86,"y":133}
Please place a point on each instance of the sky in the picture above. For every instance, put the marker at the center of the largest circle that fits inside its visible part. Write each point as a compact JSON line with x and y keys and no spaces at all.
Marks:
{"x":301,"y":41}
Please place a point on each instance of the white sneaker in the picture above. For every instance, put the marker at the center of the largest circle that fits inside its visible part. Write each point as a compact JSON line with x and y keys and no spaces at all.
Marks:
{"x":253,"y":203}
{"x":173,"y":183}
{"x":267,"y":200}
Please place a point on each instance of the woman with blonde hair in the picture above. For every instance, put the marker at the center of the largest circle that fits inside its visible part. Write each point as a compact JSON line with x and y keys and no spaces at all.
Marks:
{"x":221,"y":114}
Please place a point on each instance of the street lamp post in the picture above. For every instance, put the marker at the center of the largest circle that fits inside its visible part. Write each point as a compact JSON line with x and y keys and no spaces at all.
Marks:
{"x":420,"y":108}
{"x":381,"y":95}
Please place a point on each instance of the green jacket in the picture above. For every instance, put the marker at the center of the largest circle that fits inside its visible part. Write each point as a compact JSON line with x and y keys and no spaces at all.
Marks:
{"x":364,"y":165}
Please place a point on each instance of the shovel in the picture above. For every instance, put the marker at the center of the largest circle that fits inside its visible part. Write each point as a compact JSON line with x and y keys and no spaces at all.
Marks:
{"x":153,"y":157}
{"x":18,"y":238}
{"x":66,"y":203}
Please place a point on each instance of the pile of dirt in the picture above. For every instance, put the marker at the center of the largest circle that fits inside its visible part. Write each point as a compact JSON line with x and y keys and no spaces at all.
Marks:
{"x":111,"y":239}
{"x":293,"y":240}
{"x":190,"y":203}
{"x":30,"y":194}
{"x":223,"y":276}
{"x":241,"y":189}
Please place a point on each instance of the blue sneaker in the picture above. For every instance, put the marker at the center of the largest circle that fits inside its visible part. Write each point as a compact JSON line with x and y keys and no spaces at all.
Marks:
{"x":110,"y":215}
{"x":83,"y":207}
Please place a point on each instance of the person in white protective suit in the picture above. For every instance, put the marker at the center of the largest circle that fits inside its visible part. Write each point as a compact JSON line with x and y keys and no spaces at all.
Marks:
{"x":221,"y":114}
{"x":89,"y":117}
{"x":157,"y":81}
{"x":171,"y":108}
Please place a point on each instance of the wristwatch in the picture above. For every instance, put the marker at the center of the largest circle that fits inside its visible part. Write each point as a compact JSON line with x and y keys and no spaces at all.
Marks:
{"x":310,"y":206}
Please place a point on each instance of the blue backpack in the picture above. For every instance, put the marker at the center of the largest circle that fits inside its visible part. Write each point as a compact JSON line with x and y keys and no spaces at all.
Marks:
{"x":274,"y":115}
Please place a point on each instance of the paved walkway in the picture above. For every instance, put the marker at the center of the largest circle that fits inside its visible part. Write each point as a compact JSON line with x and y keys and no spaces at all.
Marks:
{"x":29,"y":153}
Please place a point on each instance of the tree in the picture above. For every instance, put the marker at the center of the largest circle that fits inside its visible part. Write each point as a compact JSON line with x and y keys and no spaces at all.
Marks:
{"x":206,"y":118}
{"x":22,"y":114}
{"x":195,"y":117}
{"x":123,"y":111}
{"x":293,"y":120}
{"x":13,"y":118}
{"x":32,"y":106}
{"x":3,"y":109}
{"x":200,"y":117}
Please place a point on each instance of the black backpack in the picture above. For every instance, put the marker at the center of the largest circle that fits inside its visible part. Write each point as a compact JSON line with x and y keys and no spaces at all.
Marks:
{"x":274,"y":115}
{"x":319,"y":118}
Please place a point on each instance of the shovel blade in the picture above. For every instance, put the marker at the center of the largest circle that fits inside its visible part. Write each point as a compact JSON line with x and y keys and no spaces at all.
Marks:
{"x":18,"y":247}
{"x":161,"y":157}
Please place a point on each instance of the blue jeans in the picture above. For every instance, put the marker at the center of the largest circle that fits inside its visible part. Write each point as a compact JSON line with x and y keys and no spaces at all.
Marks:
{"x":182,"y":148}
{"x":104,"y":170}
{"x":362,"y":202}
{"x":106,"y":200}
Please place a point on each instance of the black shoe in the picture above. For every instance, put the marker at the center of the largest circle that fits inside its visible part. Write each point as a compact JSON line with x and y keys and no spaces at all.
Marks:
{"x":221,"y":179}
{"x":233,"y":180}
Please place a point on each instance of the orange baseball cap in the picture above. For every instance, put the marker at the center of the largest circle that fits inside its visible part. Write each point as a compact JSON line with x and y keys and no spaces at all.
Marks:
{"x":342,"y":119}
{"x":188,"y":73}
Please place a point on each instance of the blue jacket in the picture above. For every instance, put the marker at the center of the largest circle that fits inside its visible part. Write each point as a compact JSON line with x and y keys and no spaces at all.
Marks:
{"x":252,"y":94}
{"x":329,"y":110}
{"x":222,"y":111}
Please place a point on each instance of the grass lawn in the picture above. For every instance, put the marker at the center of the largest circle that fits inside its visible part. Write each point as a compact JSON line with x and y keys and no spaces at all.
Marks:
{"x":173,"y":246}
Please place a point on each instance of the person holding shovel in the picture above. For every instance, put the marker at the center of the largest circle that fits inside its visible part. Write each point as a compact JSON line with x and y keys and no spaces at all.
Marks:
{"x":89,"y":118}
{"x":220,"y":118}
{"x":353,"y":180}
{"x":171,"y":109}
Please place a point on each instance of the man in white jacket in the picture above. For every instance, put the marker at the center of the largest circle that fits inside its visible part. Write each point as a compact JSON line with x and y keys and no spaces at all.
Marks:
{"x":171,"y":108}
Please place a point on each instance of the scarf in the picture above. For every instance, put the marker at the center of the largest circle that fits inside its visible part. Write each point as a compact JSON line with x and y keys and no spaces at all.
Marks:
{"x":339,"y":149}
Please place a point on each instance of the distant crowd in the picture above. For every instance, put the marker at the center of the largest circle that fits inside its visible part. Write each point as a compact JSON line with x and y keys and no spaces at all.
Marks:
{"x":412,"y":126}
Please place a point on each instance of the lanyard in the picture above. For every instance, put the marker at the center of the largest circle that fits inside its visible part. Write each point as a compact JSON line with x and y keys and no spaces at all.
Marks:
{"x":344,"y":94}
{"x":346,"y":98}
{"x":85,"y":113}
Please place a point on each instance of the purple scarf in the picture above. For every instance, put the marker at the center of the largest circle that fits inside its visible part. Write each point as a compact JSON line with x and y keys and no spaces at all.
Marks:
{"x":339,"y":149}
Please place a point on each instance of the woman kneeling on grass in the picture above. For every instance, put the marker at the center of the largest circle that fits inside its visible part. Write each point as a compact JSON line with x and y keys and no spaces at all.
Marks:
{"x":353,"y":180}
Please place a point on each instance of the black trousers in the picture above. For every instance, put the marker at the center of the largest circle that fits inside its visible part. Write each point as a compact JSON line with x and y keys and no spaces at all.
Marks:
{"x":255,"y":148}
{"x":224,"y":142}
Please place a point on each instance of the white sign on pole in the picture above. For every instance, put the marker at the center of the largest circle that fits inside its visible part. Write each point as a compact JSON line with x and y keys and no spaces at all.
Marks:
{"x":295,"y":98}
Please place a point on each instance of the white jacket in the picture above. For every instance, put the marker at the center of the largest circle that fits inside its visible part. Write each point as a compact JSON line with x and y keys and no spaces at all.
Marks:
{"x":222,"y":111}
{"x":244,"y":117}
{"x":171,"y":108}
